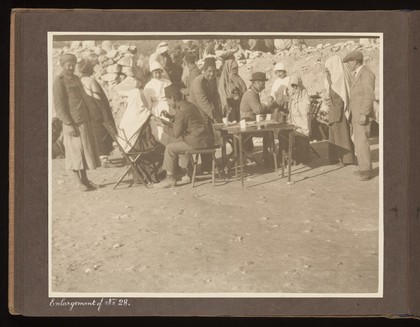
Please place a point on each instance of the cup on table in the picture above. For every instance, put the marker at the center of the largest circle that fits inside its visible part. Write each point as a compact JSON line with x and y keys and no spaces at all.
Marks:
{"x":268,"y":117}
{"x":225,"y":120}
{"x":258,"y":118}
{"x":242,"y":123}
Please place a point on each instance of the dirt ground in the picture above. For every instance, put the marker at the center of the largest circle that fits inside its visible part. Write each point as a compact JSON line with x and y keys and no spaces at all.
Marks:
{"x":317,"y":235}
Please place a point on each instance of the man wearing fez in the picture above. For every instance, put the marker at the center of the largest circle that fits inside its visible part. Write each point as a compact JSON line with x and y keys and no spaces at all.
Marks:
{"x":190,"y":126}
{"x":362,"y":96}
{"x":204,"y":94}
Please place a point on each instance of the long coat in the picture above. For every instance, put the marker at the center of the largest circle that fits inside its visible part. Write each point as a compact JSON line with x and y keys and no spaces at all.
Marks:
{"x":362,"y":94}
{"x":205,"y":96}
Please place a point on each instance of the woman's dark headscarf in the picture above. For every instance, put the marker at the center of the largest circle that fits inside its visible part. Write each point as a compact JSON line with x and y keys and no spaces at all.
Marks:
{"x":85,"y":67}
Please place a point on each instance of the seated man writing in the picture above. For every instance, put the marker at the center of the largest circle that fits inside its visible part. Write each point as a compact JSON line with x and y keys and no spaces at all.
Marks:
{"x":189,"y":126}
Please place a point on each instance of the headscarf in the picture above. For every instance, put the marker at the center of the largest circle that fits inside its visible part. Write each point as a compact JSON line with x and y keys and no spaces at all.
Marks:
{"x":298,"y":92}
{"x":340,"y":77}
{"x":229,"y":80}
{"x":85,"y":67}
{"x":67,"y":57}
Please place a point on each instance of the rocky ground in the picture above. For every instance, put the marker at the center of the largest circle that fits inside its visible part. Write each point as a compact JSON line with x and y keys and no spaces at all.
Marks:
{"x":317,"y":235}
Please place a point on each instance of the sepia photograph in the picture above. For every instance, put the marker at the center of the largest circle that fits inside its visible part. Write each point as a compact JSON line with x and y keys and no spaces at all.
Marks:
{"x":215,"y":164}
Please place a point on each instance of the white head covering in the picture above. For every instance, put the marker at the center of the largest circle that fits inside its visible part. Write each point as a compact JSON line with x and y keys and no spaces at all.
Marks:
{"x":155,"y":65}
{"x":340,"y":77}
{"x":162,"y":47}
{"x":279,"y":66}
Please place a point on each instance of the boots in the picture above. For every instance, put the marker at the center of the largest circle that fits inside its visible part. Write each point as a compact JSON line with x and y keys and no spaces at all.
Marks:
{"x":87,"y":182}
{"x":79,"y":183}
{"x":168,"y":182}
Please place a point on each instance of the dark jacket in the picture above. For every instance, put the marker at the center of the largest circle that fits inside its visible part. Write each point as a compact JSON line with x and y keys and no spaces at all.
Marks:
{"x":205,"y":96}
{"x":190,"y":125}
{"x":251,"y":105}
{"x":69,"y":104}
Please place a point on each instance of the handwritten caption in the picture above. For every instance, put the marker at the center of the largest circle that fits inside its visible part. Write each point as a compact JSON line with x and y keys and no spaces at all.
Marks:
{"x":98,"y":304}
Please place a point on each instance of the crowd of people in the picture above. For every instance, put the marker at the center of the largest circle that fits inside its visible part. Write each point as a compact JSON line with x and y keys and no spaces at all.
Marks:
{"x":186,"y":92}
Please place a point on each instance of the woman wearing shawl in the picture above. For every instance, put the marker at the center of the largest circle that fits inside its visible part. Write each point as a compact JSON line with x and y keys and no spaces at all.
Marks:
{"x":231,"y":88}
{"x":299,"y":103}
{"x":98,"y":107}
{"x":154,"y":92}
{"x":72,"y":110}
{"x":135,"y":133}
{"x":340,"y":146}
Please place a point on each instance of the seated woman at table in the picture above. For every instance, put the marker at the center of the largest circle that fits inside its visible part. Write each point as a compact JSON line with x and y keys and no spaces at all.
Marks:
{"x":299,"y":104}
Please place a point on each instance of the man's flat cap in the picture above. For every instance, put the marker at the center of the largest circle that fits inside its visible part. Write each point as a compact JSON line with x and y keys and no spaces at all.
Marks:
{"x":353,"y":55}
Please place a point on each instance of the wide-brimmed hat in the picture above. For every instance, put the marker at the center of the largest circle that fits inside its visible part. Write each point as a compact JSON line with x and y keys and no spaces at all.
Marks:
{"x":258,"y":76}
{"x":353,"y":55}
{"x":155,"y":66}
{"x":162,"y":47}
{"x":279,"y":66}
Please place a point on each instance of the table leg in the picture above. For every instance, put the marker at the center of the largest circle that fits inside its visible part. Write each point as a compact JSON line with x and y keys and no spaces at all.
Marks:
{"x":235,"y":151}
{"x":224,"y":164}
{"x":266,"y":160}
{"x":241,"y":159}
{"x":291,"y":143}
{"x":273,"y":149}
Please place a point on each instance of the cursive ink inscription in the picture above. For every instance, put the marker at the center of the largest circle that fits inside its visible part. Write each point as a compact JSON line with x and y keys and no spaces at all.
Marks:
{"x":98,"y":304}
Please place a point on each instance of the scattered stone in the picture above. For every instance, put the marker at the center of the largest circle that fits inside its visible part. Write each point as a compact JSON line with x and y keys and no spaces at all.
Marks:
{"x":238,"y":238}
{"x":117,"y":245}
{"x":88,"y":270}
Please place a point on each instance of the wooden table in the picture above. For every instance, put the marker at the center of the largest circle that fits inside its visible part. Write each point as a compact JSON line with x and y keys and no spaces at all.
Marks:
{"x":264,"y":128}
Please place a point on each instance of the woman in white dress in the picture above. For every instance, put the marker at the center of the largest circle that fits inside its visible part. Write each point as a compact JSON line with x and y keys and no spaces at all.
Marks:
{"x":154,"y":92}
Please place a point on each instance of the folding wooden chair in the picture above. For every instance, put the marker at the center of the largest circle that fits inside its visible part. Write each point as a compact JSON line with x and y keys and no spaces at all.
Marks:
{"x":132,"y":157}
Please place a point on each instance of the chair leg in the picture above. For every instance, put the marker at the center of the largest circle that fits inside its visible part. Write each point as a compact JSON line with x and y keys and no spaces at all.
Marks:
{"x":283,"y":162}
{"x":275,"y":161}
{"x":122,"y":177}
{"x":194,"y":162}
{"x":213,"y":164}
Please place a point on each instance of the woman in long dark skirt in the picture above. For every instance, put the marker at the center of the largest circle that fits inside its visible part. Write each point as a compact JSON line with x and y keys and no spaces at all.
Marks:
{"x":340,"y":145}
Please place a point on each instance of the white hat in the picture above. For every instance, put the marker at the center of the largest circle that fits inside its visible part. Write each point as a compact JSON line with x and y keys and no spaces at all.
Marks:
{"x":155,"y":65}
{"x":279,"y":66}
{"x":162,"y":47}
{"x":186,"y":41}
